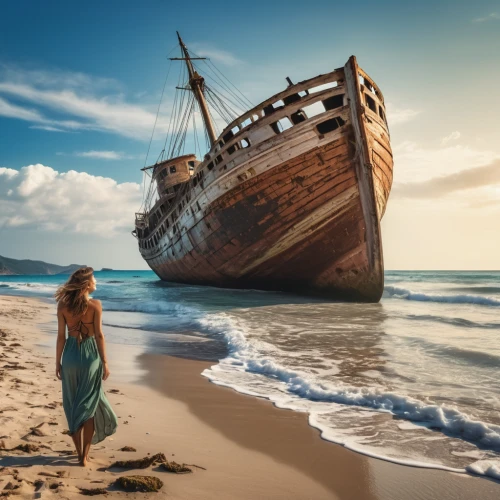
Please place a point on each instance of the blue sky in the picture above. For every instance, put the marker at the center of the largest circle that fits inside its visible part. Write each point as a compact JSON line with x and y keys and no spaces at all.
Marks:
{"x":80,"y":84}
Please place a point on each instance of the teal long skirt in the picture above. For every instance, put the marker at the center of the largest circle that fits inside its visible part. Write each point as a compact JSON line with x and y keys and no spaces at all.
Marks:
{"x":83,"y":393}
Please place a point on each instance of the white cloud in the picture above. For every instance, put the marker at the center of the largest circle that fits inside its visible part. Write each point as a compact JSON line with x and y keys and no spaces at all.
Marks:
{"x":414,"y":163}
{"x":454,"y":136}
{"x":13,"y":111}
{"x":57,"y":78}
{"x":105,"y":155}
{"x":494,"y":16}
{"x":48,"y":128}
{"x":40,"y":197}
{"x":9,"y":173}
{"x":91,"y":103}
{"x":396,"y":115}
{"x":109,"y":113}
{"x":487,"y":176}
{"x":214,"y":54}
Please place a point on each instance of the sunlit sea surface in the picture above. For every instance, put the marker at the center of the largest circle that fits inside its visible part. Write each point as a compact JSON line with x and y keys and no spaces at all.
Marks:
{"x":413,"y":379}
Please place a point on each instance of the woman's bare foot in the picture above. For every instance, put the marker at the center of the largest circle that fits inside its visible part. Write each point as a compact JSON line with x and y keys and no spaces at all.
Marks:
{"x":84,"y":461}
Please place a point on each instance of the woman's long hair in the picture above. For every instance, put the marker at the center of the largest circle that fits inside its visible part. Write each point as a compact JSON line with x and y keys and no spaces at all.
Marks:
{"x":72,"y":293}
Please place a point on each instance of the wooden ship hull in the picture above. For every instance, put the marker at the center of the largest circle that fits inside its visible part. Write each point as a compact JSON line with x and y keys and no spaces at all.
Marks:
{"x":289,"y":197}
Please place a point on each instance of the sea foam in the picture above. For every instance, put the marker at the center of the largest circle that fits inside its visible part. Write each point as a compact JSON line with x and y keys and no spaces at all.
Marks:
{"x":298,"y":387}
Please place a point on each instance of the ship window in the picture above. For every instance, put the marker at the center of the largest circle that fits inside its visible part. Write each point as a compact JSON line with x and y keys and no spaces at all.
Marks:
{"x":235,"y":130}
{"x":298,"y":117}
{"x":336,"y":101}
{"x":289,"y":99}
{"x":281,"y":125}
{"x":210,"y":166}
{"x":303,"y":93}
{"x":227,"y":137}
{"x":370,"y":103}
{"x":369,"y":86}
{"x":381,"y":113}
{"x":279,"y":105}
{"x":173,"y":169}
{"x":233,"y":148}
{"x":324,"y":86}
{"x":269,"y":110}
{"x":198,"y":205}
{"x":245,"y":143}
{"x":191,"y":165}
{"x":175,"y":230}
{"x":245,"y":123}
{"x":314,"y":109}
{"x":221,"y":144}
{"x":330,"y":125}
{"x":218,"y":159}
{"x":255,"y":118}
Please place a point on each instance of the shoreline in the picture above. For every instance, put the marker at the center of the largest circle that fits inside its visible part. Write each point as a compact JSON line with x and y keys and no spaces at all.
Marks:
{"x":249,"y":447}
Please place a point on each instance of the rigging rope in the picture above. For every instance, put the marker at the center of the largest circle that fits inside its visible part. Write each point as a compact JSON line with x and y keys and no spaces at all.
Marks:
{"x":222,"y":100}
{"x":154,"y":127}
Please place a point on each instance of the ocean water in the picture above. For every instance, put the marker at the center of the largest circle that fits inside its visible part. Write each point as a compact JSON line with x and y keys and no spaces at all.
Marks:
{"x":414,"y":379}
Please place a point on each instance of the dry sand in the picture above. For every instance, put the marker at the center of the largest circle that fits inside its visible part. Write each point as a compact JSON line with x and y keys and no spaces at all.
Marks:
{"x":248,"y":448}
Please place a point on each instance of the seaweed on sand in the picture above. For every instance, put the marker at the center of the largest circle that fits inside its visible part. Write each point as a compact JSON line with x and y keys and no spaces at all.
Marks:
{"x":175,"y":467}
{"x":139,"y":483}
{"x":140,"y":463}
{"x":27,"y":448}
{"x":93,"y":491}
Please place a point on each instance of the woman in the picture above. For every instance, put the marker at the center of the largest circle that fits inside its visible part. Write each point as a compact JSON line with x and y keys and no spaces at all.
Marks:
{"x":84,"y":364}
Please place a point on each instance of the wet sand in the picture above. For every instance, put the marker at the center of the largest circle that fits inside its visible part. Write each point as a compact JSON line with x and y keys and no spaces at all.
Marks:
{"x":249,"y":448}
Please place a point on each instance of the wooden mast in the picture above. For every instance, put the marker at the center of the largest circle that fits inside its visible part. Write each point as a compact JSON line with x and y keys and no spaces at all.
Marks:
{"x":197,"y":83}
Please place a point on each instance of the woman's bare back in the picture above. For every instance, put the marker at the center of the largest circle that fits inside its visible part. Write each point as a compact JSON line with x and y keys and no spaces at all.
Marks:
{"x":87,"y":319}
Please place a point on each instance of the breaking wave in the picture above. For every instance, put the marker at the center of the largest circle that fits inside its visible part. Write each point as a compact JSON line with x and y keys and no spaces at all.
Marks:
{"x":403,"y":293}
{"x":153,"y":307}
{"x":461,"y":322}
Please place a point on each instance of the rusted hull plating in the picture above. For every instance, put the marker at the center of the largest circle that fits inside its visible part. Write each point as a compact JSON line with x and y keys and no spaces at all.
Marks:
{"x":310,"y":224}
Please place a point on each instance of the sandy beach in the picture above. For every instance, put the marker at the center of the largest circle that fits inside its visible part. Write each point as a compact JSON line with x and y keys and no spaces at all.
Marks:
{"x":241,"y":447}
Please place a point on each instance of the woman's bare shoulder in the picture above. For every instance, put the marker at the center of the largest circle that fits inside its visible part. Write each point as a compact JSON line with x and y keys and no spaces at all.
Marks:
{"x":96,"y":303}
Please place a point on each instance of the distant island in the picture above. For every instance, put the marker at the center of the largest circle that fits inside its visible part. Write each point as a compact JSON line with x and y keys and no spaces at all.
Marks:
{"x":26,"y":266}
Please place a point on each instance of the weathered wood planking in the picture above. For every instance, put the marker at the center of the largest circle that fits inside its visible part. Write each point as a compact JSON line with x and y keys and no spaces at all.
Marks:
{"x":297,"y":211}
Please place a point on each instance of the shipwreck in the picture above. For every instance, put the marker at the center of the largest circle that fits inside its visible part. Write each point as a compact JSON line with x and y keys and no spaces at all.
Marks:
{"x":288,"y":195}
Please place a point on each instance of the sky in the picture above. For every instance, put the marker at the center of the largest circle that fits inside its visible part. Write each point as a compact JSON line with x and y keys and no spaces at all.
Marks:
{"x":80,"y":85}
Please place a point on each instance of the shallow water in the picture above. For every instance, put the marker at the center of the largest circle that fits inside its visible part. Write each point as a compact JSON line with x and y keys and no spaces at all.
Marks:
{"x":413,"y":379}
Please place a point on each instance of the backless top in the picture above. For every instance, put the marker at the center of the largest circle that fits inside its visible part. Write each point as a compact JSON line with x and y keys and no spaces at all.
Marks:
{"x":83,"y":331}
